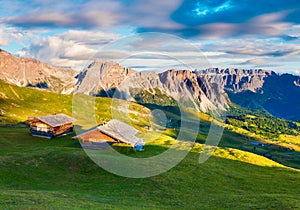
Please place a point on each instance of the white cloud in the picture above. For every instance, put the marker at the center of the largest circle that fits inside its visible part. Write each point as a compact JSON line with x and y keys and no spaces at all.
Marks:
{"x":267,"y":24}
{"x":10,"y":34}
{"x":256,"y":61}
{"x":3,"y":37}
{"x":92,"y":38}
{"x":72,"y":48}
{"x":75,"y":48}
{"x":98,"y":14}
{"x":21,"y":36}
{"x":254,"y":46}
{"x":293,"y":30}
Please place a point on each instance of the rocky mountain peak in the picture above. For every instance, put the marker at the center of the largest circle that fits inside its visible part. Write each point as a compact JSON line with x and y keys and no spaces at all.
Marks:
{"x":211,"y":88}
{"x":34,"y":73}
{"x":236,"y":80}
{"x":4,"y":53}
{"x":107,"y":75}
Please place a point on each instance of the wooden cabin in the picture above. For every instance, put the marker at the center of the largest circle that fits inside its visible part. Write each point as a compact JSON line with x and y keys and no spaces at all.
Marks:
{"x":109,"y":133}
{"x":51,"y":126}
{"x":93,"y":135}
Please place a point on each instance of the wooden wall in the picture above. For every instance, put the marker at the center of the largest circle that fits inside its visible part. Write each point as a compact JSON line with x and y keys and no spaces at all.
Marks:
{"x":40,"y":128}
{"x":95,"y":136}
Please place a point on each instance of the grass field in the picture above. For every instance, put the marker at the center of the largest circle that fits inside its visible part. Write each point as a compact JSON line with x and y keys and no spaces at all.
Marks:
{"x":41,"y":174}
{"x":38,"y":173}
{"x":17,"y":104}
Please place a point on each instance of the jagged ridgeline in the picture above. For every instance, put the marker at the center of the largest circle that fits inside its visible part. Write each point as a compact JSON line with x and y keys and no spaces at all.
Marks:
{"x":28,"y":72}
{"x":210,"y":89}
{"x":151,"y":87}
{"x":258,"y":89}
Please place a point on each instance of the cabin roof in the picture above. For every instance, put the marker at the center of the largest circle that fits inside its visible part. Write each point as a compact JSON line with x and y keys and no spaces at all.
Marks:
{"x":117,"y":130}
{"x":56,"y":120}
{"x":120,"y":131}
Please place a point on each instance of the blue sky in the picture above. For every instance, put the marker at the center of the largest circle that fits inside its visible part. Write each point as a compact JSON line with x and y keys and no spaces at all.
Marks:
{"x":229,"y":33}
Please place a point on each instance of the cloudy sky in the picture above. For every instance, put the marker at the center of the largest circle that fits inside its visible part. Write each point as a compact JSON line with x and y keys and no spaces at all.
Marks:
{"x":155,"y":34}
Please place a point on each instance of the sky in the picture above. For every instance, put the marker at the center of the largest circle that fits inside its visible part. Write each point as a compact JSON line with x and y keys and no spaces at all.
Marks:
{"x":155,"y":34}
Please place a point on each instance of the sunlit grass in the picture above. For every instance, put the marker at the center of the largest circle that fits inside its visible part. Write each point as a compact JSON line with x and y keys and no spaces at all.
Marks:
{"x":290,"y":139}
{"x":57,"y":174}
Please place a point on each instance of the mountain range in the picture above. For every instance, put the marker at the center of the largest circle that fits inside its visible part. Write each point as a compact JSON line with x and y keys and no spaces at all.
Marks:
{"x":211,"y":88}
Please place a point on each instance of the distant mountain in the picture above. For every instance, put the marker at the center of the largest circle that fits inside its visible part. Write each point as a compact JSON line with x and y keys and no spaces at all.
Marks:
{"x":33,"y":73}
{"x":259,"y":89}
{"x":171,"y":83}
{"x":211,"y":89}
{"x":236,"y":80}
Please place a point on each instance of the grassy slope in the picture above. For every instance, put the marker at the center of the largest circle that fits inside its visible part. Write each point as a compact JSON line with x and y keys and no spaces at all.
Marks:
{"x":285,"y":150}
{"x":17,"y":104}
{"x":38,"y":173}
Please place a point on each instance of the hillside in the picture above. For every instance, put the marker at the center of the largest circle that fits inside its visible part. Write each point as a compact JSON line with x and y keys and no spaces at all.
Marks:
{"x":17,"y":104}
{"x":38,"y":173}
{"x":42,"y":174}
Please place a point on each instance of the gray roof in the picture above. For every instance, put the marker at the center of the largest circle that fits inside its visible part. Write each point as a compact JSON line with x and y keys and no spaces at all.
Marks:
{"x":56,"y":120}
{"x":120,"y":131}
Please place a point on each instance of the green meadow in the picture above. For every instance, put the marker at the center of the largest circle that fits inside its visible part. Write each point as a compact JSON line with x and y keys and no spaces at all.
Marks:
{"x":38,"y":173}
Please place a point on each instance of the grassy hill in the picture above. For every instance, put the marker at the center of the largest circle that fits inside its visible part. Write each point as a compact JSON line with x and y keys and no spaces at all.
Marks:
{"x":17,"y":104}
{"x":57,"y":174}
{"x":38,"y":173}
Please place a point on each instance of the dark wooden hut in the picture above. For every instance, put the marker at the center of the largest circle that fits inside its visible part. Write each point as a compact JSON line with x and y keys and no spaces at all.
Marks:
{"x":51,"y":126}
